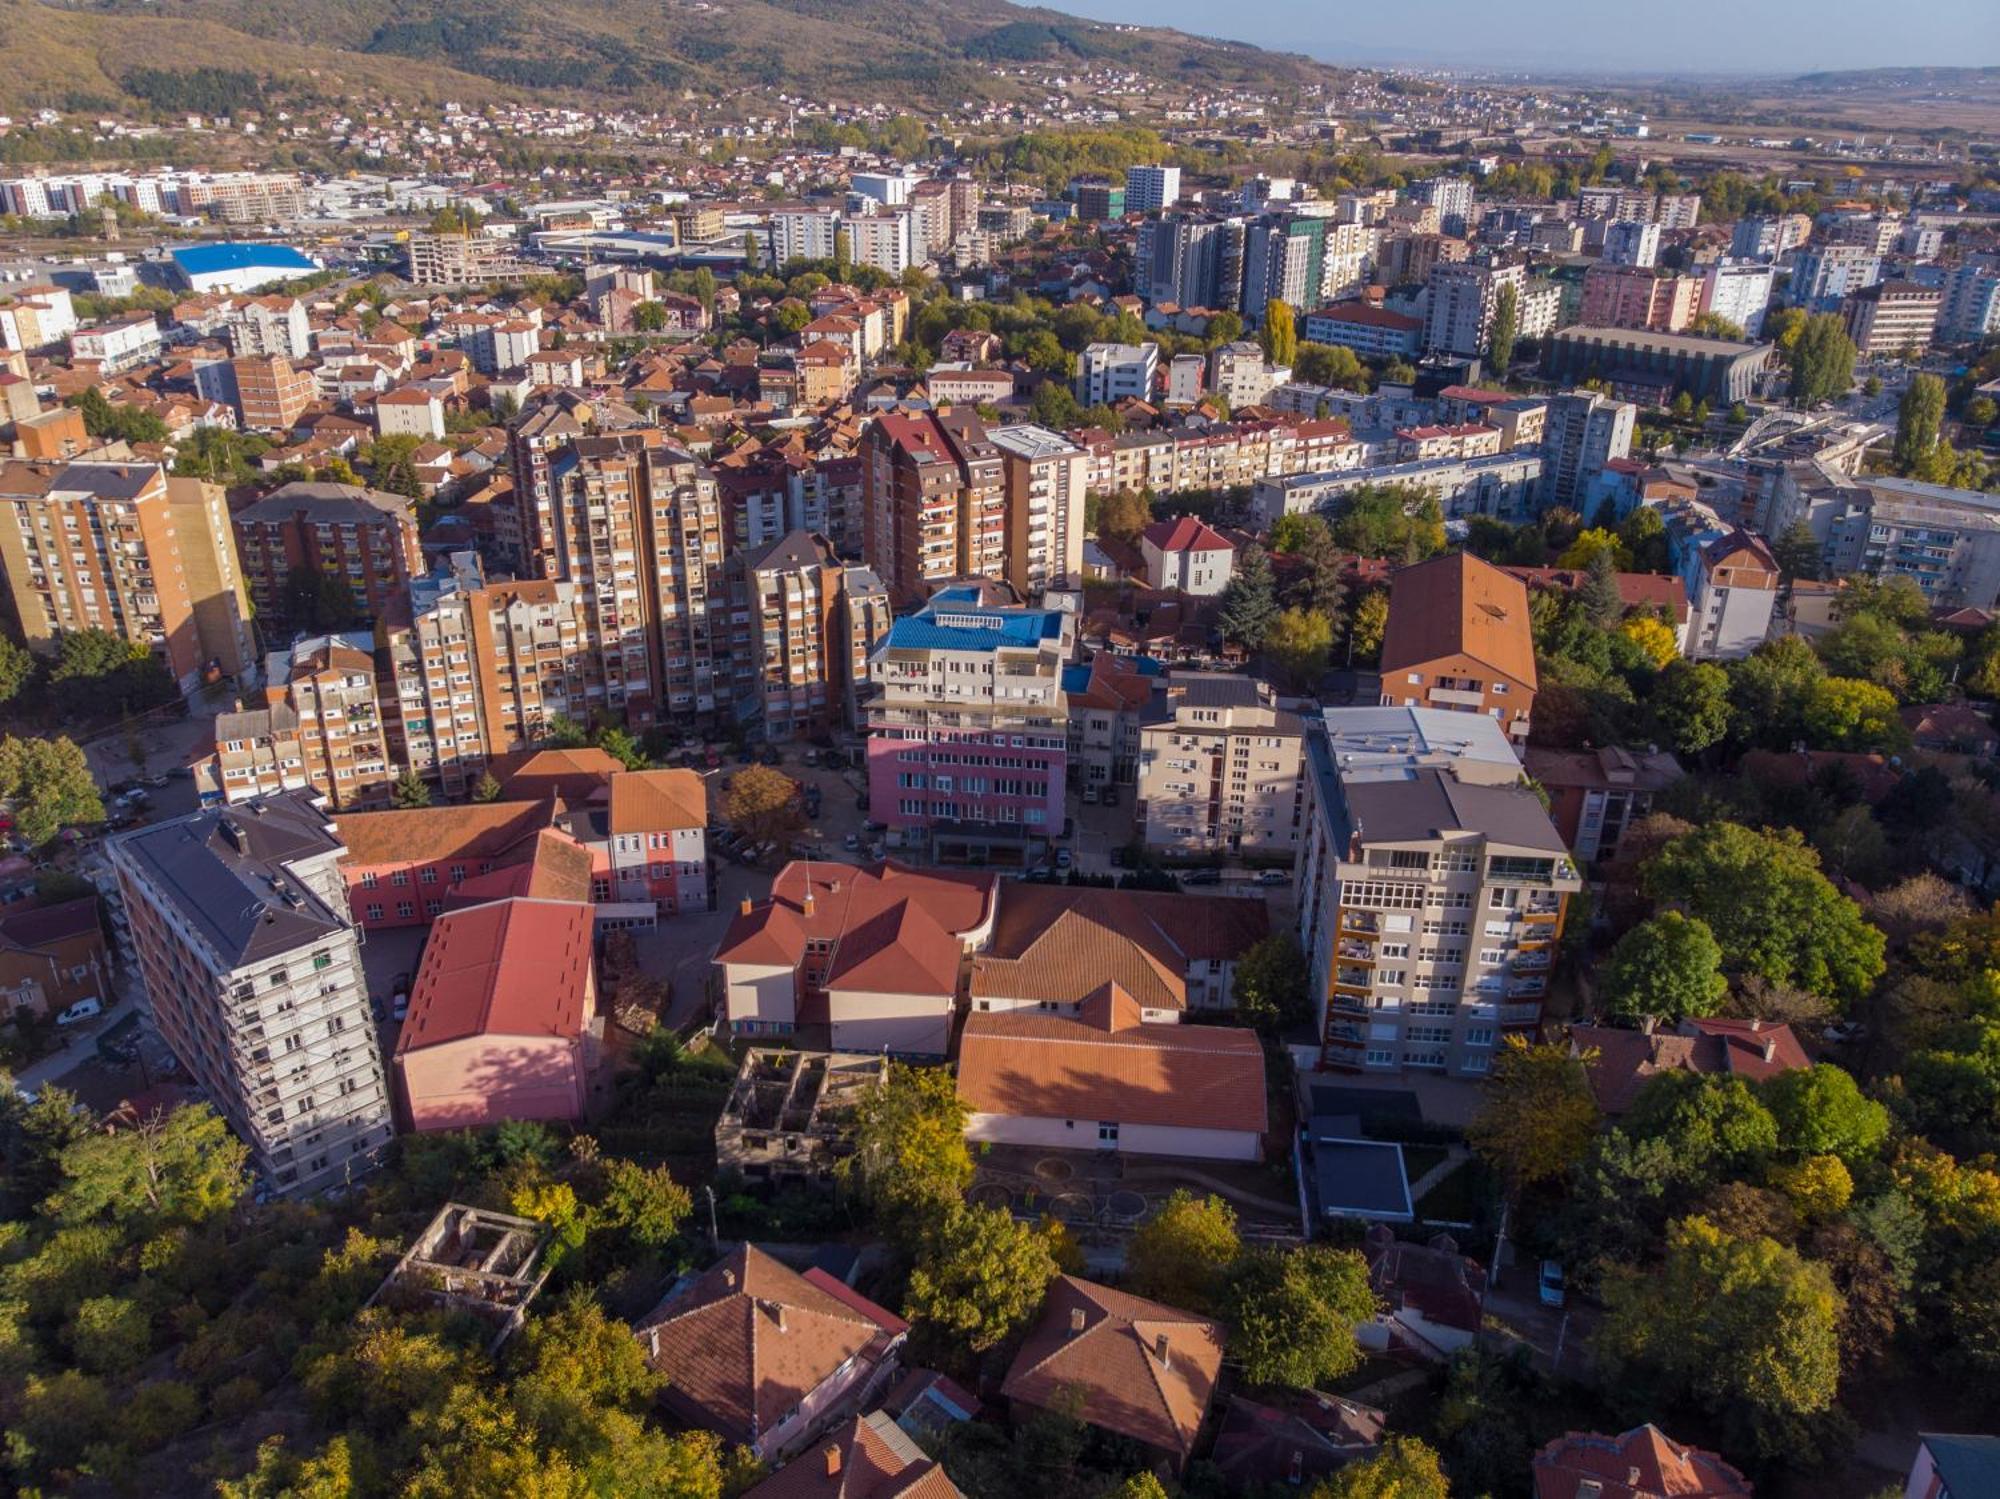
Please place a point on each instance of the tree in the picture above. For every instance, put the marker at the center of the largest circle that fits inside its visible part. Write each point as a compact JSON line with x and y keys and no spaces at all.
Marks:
{"x":410,"y":791}
{"x":1583,"y":553}
{"x":1712,"y":1126}
{"x":979,"y":1276}
{"x":1179,"y":1254}
{"x":1770,"y":688}
{"x":1981,"y":412}
{"x":1299,"y":644}
{"x":1819,"y":1187}
{"x":1292,"y":1313}
{"x":1655,"y":640}
{"x":95,"y":669}
{"x":1249,"y":605}
{"x":1846,"y":714}
{"x":763,"y":804}
{"x":1691,"y":702}
{"x":1797,"y":552}
{"x":178,"y":1168}
{"x":1822,"y":361}
{"x":1770,"y":908}
{"x":110,"y":1335}
{"x":621,"y":746}
{"x":1330,"y":364}
{"x":1405,"y":1468}
{"x":1919,"y":418}
{"x":1735,"y":1325}
{"x":1538,"y":1116}
{"x":17,"y":669}
{"x":51,"y":785}
{"x":1370,"y":624}
{"x":486,"y":788}
{"x":1139,"y":1486}
{"x":1123,"y":514}
{"x":1821,"y":1111}
{"x":1317,"y":587}
{"x":1602,"y":604}
{"x":1667,"y":968}
{"x":909,"y":1144}
{"x":1506,"y":324}
{"x":1269,"y":989}
{"x":1279,"y":334}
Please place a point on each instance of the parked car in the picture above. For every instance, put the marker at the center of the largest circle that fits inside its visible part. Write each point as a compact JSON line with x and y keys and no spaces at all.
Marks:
{"x":1201,"y":877}
{"x":812,"y":757}
{"x":1090,"y":796}
{"x":1551,"y":1283}
{"x":399,"y":997}
{"x":83,"y":1009}
{"x":851,"y":841}
{"x":1275,"y":877}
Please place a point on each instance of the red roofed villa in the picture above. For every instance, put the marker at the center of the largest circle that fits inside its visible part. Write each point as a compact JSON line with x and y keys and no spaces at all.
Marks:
{"x":1187,"y":555}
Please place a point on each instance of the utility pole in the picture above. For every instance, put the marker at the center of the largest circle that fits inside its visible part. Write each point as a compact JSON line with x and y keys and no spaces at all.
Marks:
{"x":714,"y":1234}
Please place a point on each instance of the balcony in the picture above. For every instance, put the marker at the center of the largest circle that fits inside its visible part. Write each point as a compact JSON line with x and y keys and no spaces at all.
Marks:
{"x":1355,"y":952}
{"x":1537,"y":961}
{"x":1354,"y":978}
{"x":1525,"y":988}
{"x":1343,"y":1033}
{"x":1359,"y":921}
{"x":1520,"y":1014}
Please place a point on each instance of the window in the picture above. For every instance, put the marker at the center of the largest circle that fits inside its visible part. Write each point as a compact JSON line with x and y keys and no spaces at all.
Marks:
{"x":1107,"y":1132}
{"x":368,"y":879}
{"x":400,"y":877}
{"x":1479,"y":1035}
{"x":374,"y":913}
{"x":1478,"y":1061}
{"x":405,"y":909}
{"x":1379,"y":1059}
{"x":429,"y":875}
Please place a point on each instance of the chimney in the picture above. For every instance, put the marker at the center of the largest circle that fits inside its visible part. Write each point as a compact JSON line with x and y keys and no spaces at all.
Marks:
{"x":729,"y":1279}
{"x":1590,"y":1488}
{"x":1648,"y":1024}
{"x":1631,"y":1478}
{"x":778,"y":1314}
{"x":653,"y":1339}
{"x":1162,"y":1352}
{"x":744,"y":908}
{"x":808,"y":904}
{"x":1770,"y":1048}
{"x":833,"y":1462}
{"x":1075,"y":1320}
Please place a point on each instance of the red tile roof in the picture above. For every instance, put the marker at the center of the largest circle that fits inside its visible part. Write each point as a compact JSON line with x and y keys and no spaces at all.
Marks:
{"x":1626,"y":1060}
{"x":576,"y":775}
{"x":868,"y":1458}
{"x":424,"y":835}
{"x":507,"y":968}
{"x":657,"y":801}
{"x":1186,"y":533}
{"x":1140,"y":1369}
{"x":1643,"y":1463}
{"x":1459,"y":605}
{"x":1108,"y":1064}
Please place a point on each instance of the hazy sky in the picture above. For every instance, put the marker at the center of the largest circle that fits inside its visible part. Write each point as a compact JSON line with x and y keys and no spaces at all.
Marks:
{"x":1760,"y":36}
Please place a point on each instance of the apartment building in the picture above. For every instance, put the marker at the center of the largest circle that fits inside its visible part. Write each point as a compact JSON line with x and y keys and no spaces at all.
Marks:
{"x":1459,"y":638}
{"x":410,"y":411}
{"x":1187,"y":555}
{"x":366,"y":538}
{"x":328,"y":683}
{"x":1945,"y":540}
{"x":935,"y":498}
{"x":1046,"y":477}
{"x":1149,"y":189}
{"x":1761,"y":238}
{"x":271,"y":395}
{"x":1891,"y":316}
{"x":1971,"y":306}
{"x":865,"y":617}
{"x":967,"y":750}
{"x":268,"y":325}
{"x":1583,"y":433}
{"x":456,"y":259}
{"x":1218,"y":767}
{"x":33,"y":318}
{"x":1823,"y":274}
{"x":257,"y":754}
{"x":253,"y":978}
{"x":1109,"y":373}
{"x":1738,"y":291}
{"x":532,"y":445}
{"x":1596,"y":795}
{"x":1503,"y":485}
{"x":702,"y":658}
{"x":1630,"y":296}
{"x":119,"y":345}
{"x":1458,"y":317}
{"x":205,"y":547}
{"x":1731,"y":579}
{"x":1432,"y":890}
{"x":1627,"y":243}
{"x":792,"y":586}
{"x":98,"y":546}
{"x":1241,"y":375}
{"x":1372,"y":332}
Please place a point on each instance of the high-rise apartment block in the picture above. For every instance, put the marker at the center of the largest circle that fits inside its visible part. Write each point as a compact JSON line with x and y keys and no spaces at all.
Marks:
{"x":1823,"y":274}
{"x":1218,"y":767}
{"x":271,"y":395}
{"x":1109,"y":373}
{"x":1046,"y":479}
{"x":792,"y":587}
{"x":253,"y":977}
{"x":1463,"y":296}
{"x":1618,"y":296}
{"x":1151,"y":189}
{"x":1892,"y":316}
{"x":1582,"y":433}
{"x":362,"y":539}
{"x":1432,"y":891}
{"x":968,"y":749}
{"x":936,"y":501}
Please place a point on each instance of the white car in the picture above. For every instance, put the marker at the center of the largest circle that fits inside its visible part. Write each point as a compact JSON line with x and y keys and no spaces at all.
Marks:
{"x":83,"y":1009}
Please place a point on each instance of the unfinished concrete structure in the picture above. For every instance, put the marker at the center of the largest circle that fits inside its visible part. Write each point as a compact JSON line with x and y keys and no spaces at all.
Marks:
{"x":470,"y":1260}
{"x":790,"y":1112}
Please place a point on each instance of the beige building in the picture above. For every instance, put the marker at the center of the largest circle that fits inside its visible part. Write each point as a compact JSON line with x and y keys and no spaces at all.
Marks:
{"x":1891,"y":316}
{"x":253,"y":977}
{"x":1046,"y":477}
{"x":792,"y":587}
{"x":270,"y":394}
{"x":205,"y":544}
{"x":328,"y":682}
{"x":1219,"y":767}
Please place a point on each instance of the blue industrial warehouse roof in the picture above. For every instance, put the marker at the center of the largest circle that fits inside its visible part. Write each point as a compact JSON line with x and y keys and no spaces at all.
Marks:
{"x":200,"y":260}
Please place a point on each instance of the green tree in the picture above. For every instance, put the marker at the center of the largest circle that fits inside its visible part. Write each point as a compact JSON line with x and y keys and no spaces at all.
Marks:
{"x":621,"y":746}
{"x":178,"y":1168}
{"x":1299,"y":645}
{"x":1821,"y":1111}
{"x":486,"y":788}
{"x":1365,"y":632}
{"x":316,"y":601}
{"x":1797,"y":551}
{"x":1773,"y":912}
{"x":95,"y":669}
{"x":1249,"y":605}
{"x":909,"y":1144}
{"x":1405,"y":1468}
{"x":1269,"y":989}
{"x":1769,"y":689}
{"x":110,"y":1335}
{"x":1846,"y":714}
{"x":1981,"y":412}
{"x":564,"y":732}
{"x":1822,"y":361}
{"x":1139,"y":1486}
{"x":1292,"y":1313}
{"x":1538,"y":1115}
{"x":1330,"y":364}
{"x":1293,"y":533}
{"x":1279,"y":334}
{"x":1740,"y":1326}
{"x":979,"y":1276}
{"x":1712,"y":1127}
{"x":17,"y":670}
{"x":1602,"y":604}
{"x":410,"y":791}
{"x":1667,"y":968}
{"x":1690,"y":699}
{"x":1919,"y":418}
{"x":51,"y":785}
{"x":1506,"y":325}
{"x":1178,"y":1255}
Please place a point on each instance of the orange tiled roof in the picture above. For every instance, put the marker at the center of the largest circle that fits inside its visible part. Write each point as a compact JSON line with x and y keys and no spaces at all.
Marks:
{"x":1459,"y":605}
{"x":507,"y":968}
{"x":423,"y":835}
{"x":657,"y":801}
{"x":868,"y":1458}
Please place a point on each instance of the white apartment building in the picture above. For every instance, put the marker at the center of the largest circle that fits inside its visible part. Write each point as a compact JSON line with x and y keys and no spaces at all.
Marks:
{"x":1458,"y":318}
{"x":1108,"y":373}
{"x":1432,"y":889}
{"x":1218,"y":767}
{"x":1239,"y":373}
{"x":1150,"y":189}
{"x":1046,"y":479}
{"x":1627,"y":243}
{"x":1738,"y":290}
{"x":253,"y":976}
{"x":1823,"y":274}
{"x":120,"y":345}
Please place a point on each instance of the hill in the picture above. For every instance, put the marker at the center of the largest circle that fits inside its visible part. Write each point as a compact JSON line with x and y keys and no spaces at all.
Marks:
{"x":923,"y":51}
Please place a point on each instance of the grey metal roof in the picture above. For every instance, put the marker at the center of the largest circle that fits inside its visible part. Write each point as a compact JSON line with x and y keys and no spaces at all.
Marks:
{"x":331,"y":504}
{"x":1361,"y":1178}
{"x":1433,"y":802}
{"x":800,"y":548}
{"x":228,"y":871}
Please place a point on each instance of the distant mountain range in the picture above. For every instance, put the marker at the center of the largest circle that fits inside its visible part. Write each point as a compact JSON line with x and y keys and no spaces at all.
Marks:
{"x":922,"y":51}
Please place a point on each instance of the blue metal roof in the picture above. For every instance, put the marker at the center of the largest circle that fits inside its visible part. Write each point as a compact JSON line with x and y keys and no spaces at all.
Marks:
{"x":1076,"y":679}
{"x":922,"y":632}
{"x":202,"y":260}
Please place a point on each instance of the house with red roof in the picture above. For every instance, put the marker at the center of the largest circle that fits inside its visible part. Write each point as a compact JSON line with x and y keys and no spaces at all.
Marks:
{"x":1621,"y":1062}
{"x":1643,"y":1463}
{"x":503,"y":1017}
{"x":1433,"y":1295}
{"x":768,"y":1358}
{"x":1187,"y":555}
{"x":874,"y":955}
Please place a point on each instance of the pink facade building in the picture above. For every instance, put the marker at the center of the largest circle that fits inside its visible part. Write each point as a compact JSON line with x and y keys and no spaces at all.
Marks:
{"x":968,"y":746}
{"x":502,"y":1021}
